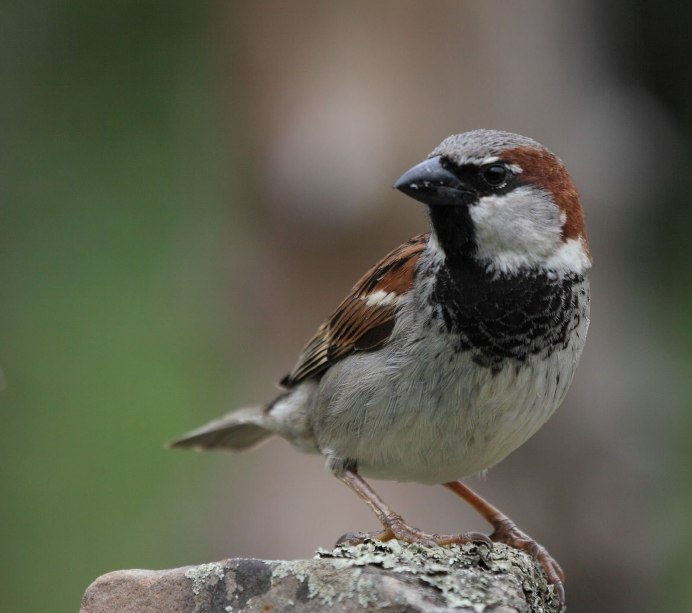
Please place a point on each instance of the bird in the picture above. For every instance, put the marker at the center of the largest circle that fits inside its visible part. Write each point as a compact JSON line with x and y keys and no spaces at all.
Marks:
{"x":450,"y":352}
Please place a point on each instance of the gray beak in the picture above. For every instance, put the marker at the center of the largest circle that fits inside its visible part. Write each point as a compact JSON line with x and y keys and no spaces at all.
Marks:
{"x":431,"y":183}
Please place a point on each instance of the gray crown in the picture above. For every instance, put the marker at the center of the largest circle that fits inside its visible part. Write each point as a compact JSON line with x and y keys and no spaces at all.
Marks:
{"x":477,"y":145}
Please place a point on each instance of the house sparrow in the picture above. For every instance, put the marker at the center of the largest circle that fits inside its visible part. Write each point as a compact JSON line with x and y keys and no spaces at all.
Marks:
{"x":454,"y":349}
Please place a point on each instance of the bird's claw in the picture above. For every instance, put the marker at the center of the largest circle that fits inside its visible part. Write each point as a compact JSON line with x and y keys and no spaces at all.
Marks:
{"x":356,"y":538}
{"x":508,"y":533}
{"x":396,"y":528}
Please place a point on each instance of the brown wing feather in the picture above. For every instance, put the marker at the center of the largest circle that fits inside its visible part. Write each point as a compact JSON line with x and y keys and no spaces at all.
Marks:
{"x":356,"y":324}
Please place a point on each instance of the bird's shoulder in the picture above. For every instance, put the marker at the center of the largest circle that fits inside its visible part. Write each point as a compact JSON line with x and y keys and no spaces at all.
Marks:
{"x":365,"y":318}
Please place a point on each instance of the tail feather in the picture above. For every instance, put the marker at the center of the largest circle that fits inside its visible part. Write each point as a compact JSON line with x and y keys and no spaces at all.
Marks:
{"x":236,"y":431}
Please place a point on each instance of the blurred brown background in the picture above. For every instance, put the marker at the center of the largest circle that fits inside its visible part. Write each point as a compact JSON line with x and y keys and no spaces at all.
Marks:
{"x":188,"y":189}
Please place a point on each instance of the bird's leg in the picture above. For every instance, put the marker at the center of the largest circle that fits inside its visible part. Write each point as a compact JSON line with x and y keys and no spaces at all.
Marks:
{"x":394,"y":525}
{"x":507,"y":532}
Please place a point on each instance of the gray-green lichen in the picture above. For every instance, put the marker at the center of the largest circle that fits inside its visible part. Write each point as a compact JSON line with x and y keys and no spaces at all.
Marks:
{"x":330,"y":586}
{"x":204,"y":575}
{"x":441,"y":568}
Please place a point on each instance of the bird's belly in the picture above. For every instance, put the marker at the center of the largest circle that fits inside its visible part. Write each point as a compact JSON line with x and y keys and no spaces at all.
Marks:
{"x":437,"y":419}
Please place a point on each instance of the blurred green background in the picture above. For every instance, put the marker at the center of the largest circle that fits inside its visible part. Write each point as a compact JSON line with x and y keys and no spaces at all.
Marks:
{"x":110,"y":230}
{"x":163,"y":254}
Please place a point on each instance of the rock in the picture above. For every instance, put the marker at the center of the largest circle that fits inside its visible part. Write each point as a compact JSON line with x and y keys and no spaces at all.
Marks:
{"x":373,"y":576}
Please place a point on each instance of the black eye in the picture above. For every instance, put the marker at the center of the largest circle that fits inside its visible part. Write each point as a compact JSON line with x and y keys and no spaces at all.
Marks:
{"x":495,"y":175}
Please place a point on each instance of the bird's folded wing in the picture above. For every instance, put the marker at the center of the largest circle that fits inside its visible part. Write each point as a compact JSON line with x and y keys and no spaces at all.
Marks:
{"x":365,"y":319}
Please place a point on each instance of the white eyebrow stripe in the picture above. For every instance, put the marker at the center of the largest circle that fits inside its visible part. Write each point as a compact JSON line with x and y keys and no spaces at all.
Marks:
{"x":515,"y":168}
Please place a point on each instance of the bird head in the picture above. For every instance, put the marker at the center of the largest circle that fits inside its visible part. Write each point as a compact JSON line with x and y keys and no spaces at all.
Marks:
{"x":503,"y":200}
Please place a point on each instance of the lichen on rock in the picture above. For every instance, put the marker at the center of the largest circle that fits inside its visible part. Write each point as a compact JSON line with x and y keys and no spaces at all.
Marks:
{"x":372,"y":576}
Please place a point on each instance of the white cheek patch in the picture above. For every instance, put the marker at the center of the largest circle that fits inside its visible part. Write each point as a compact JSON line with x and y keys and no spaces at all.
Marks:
{"x":517,"y":230}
